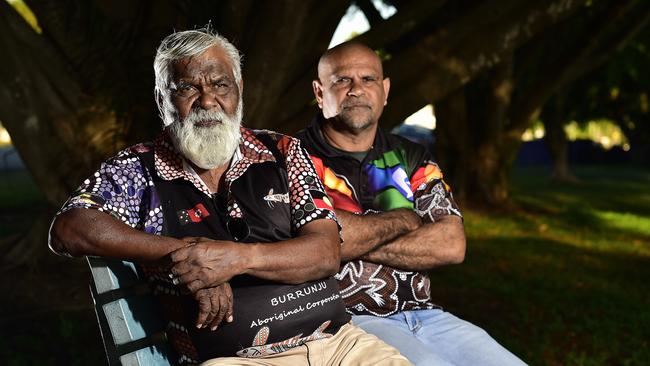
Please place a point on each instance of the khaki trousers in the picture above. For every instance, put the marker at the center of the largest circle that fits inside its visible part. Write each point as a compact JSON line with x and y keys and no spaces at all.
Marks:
{"x":351,"y":346}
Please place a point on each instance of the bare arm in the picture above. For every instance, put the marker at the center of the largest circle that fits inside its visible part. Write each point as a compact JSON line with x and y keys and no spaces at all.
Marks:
{"x":312,"y":255}
{"x":90,"y":232}
{"x":431,"y":245}
{"x":81,"y":232}
{"x":364,"y":233}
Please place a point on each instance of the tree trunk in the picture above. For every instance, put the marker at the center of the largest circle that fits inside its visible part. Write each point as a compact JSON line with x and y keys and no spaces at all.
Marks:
{"x":60,"y":133}
{"x":495,"y":151}
{"x":452,"y":141}
{"x":471,"y":141}
{"x":556,"y":140}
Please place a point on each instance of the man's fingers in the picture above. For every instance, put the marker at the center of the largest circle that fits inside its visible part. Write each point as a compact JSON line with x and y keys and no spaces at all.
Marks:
{"x":204,"y":310}
{"x":198,"y":279}
{"x":223,"y":305}
{"x":229,"y":305}
{"x":182,"y":268}
{"x":179,"y":254}
{"x":182,"y":274}
{"x":195,"y":285}
{"x":214,"y":307}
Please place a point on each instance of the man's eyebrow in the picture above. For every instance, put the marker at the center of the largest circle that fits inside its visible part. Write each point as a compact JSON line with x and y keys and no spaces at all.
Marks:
{"x":340,"y":75}
{"x":211,"y":78}
{"x":223,"y":77}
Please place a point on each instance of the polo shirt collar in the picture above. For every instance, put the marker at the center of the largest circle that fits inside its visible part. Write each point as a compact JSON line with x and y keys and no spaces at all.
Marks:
{"x":322,"y":148}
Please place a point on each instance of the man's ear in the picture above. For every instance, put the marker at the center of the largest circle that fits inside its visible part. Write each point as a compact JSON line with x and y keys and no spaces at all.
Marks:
{"x":241,"y":86}
{"x":386,"y":83}
{"x":318,"y":92}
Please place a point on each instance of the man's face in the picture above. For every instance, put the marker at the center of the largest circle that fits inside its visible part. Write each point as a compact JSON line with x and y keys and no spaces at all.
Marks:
{"x":205,"y":81}
{"x":352,"y":88}
{"x":209,"y":109}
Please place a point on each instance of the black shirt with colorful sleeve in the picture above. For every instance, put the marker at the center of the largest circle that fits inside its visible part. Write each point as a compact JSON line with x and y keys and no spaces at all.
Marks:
{"x":396,"y":173}
{"x":271,"y":191}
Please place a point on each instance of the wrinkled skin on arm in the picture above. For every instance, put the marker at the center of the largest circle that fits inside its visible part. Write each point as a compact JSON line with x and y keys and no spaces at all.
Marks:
{"x":429,"y":246}
{"x":365,"y":233}
{"x":312,"y":255}
{"x":399,"y":239}
{"x":80,"y":232}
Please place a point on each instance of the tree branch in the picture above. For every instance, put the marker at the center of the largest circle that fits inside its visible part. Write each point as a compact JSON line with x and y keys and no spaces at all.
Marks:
{"x":369,"y":10}
{"x":614,"y":26}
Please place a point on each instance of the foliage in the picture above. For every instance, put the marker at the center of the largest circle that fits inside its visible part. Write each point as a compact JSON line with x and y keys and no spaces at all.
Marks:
{"x":619,"y":90}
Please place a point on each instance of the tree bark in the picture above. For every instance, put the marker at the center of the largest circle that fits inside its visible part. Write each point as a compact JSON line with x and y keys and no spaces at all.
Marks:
{"x":452,"y":144}
{"x":37,"y":88}
{"x":471,"y":145}
{"x":556,"y":140}
{"x":488,"y":177}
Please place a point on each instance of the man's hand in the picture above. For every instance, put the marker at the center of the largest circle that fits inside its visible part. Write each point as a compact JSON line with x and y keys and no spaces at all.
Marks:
{"x":215,"y":305}
{"x":206,"y":263}
{"x":313,"y":254}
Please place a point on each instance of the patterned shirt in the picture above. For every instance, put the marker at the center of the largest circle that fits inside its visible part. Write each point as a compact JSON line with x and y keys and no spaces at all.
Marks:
{"x":266,"y":314}
{"x":396,"y":173}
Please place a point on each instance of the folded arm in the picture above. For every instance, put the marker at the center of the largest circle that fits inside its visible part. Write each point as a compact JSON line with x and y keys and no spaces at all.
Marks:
{"x":81,"y":232}
{"x":396,"y":239}
{"x":431,"y":245}
{"x":313,"y":254}
{"x":364,"y":233}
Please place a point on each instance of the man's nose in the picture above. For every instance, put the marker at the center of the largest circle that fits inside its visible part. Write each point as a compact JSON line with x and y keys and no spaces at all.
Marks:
{"x":356,"y":89}
{"x":207,"y":99}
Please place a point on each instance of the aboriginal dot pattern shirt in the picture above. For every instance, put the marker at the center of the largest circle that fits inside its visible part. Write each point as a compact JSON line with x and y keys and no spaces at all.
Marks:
{"x":396,"y":173}
{"x":272,"y":190}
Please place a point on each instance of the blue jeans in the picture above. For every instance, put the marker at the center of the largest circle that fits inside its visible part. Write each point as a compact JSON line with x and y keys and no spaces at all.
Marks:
{"x":436,"y":337}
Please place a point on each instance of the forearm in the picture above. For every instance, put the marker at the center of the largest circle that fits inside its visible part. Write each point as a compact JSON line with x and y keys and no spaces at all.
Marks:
{"x":81,"y":232}
{"x":364,"y":233}
{"x":431,"y":245}
{"x":311,"y":256}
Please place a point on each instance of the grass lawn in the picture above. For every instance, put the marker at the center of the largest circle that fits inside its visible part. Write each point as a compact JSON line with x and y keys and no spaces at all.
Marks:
{"x":564,"y":280}
{"x":561,"y":281}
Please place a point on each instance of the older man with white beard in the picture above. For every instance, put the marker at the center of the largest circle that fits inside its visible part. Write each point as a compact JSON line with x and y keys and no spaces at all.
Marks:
{"x":228,"y":224}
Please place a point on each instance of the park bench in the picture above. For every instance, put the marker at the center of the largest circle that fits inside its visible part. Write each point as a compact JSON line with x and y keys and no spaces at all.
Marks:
{"x":131,"y":324}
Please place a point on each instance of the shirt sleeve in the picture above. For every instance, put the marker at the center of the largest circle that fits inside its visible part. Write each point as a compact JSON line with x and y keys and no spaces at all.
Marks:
{"x":432,"y":196}
{"x":116,"y":188}
{"x":306,"y":191}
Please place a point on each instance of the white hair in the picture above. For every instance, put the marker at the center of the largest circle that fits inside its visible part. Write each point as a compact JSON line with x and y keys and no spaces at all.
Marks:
{"x":207,"y":147}
{"x":177,"y":46}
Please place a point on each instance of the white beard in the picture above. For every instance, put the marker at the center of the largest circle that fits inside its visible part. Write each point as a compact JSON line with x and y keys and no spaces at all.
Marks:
{"x":207,"y":147}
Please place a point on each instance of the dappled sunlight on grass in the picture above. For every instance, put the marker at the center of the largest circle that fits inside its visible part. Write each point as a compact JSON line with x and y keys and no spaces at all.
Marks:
{"x":626,"y":222}
{"x":563,"y":279}
{"x":609,"y":210}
